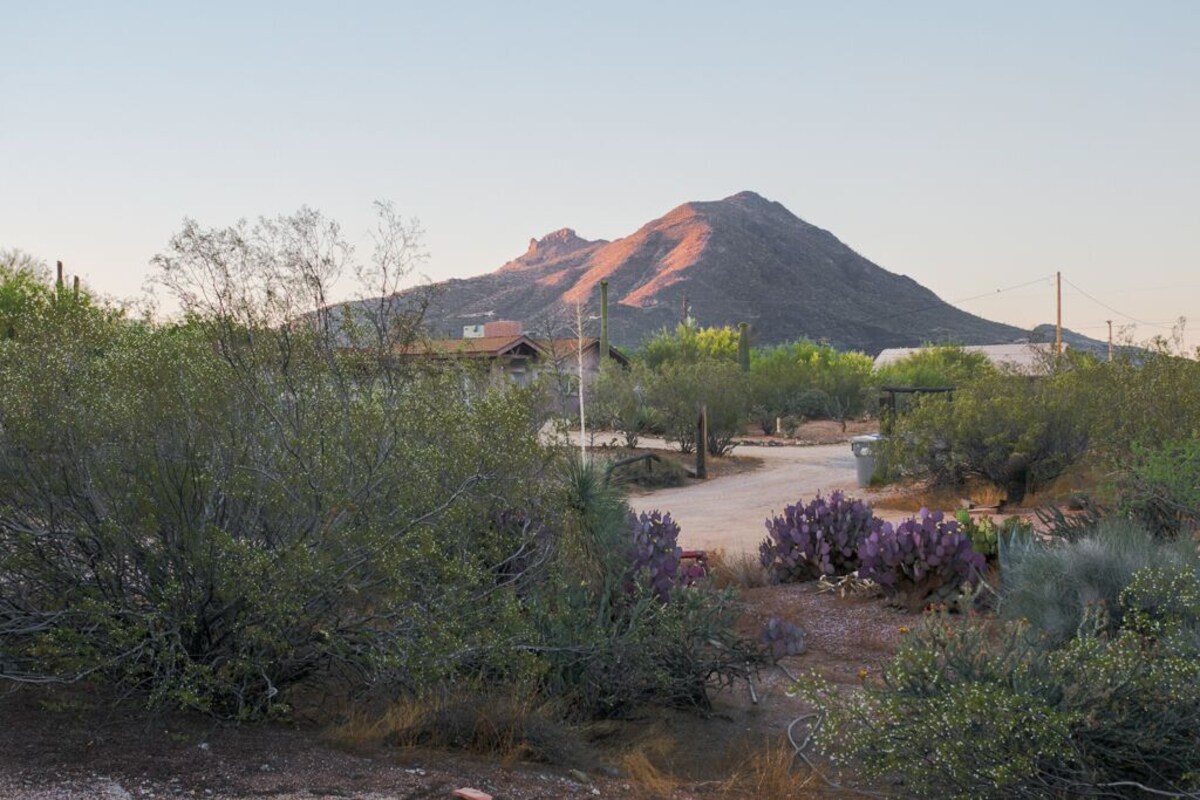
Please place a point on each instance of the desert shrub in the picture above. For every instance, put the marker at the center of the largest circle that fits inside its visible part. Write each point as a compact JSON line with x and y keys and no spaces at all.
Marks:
{"x":656,"y":473}
{"x":739,"y":570}
{"x":1017,"y":432}
{"x":807,"y":379}
{"x":619,"y":400}
{"x":690,"y":344}
{"x":1072,"y":523}
{"x":1054,"y":585}
{"x":925,"y":557}
{"x":820,"y":538}
{"x":263,"y":494}
{"x":985,"y":534}
{"x":1160,"y":487}
{"x":506,"y":725}
{"x":790,"y":425}
{"x":935,"y":366}
{"x":809,"y":404}
{"x":972,"y":708}
{"x":620,"y":624}
{"x":678,"y":390}
{"x":1146,"y":398}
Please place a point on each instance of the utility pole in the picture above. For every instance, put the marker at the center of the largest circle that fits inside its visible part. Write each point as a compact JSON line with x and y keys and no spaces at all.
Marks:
{"x":683,"y":311}
{"x":603,"y":321}
{"x":1109,"y":321}
{"x":1058,"y":323}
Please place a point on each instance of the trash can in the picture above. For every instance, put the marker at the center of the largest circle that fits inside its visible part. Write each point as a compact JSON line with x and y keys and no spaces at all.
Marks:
{"x":866,"y":456}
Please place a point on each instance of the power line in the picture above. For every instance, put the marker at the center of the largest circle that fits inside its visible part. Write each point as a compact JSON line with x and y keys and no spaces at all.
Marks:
{"x":1113,"y":310}
{"x":943,"y":303}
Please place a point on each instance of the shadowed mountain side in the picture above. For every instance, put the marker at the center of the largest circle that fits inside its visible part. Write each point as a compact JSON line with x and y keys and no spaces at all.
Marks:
{"x":743,"y":258}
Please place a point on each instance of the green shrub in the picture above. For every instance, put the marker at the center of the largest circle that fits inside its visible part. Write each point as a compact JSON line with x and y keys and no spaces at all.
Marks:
{"x":619,"y":400}
{"x":1160,"y":487}
{"x":677,"y":391}
{"x":986,"y":535}
{"x":609,"y":645}
{"x":935,"y":366}
{"x":973,"y":708}
{"x":1053,"y":585}
{"x":689,"y":344}
{"x":1019,"y":433}
{"x":661,"y":473}
{"x":807,"y":379}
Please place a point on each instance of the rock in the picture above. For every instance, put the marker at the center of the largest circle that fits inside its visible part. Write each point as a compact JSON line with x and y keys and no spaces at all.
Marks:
{"x":108,"y":789}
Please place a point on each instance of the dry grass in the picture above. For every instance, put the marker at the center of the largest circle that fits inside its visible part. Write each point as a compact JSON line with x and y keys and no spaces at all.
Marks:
{"x":742,"y":570}
{"x":510,"y":727}
{"x":940,"y":498}
{"x":647,"y":781}
{"x":771,"y":770}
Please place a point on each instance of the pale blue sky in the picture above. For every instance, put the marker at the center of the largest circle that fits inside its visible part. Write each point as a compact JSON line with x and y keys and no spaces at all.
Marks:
{"x":971,"y":146}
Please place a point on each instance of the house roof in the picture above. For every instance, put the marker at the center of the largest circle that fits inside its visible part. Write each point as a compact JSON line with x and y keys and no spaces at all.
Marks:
{"x":1024,"y":357}
{"x":501,"y":346}
{"x":567,"y":348}
{"x":482,"y":347}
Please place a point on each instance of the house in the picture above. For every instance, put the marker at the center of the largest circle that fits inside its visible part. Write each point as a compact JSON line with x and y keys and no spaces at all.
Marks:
{"x":519,"y":356}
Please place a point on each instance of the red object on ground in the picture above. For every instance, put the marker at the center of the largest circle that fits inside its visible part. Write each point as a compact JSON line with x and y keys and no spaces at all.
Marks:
{"x":471,"y":794}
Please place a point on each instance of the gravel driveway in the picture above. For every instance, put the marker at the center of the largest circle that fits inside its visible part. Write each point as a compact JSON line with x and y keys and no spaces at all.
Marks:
{"x":729,"y":512}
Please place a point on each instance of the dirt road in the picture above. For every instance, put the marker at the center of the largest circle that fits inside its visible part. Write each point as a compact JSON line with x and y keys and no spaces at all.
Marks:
{"x":729,"y":512}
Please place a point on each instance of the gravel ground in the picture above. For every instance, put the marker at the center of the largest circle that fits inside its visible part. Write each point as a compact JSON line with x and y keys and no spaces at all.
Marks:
{"x":728,"y":512}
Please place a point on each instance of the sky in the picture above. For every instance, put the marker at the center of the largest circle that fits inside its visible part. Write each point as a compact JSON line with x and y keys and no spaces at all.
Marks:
{"x":975,"y":147}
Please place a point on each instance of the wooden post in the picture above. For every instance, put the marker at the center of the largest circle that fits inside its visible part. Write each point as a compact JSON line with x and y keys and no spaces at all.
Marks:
{"x":58,"y":284}
{"x":76,"y":289}
{"x":702,"y":443}
{"x":1109,"y":321}
{"x":1058,"y":313}
{"x":744,"y":346}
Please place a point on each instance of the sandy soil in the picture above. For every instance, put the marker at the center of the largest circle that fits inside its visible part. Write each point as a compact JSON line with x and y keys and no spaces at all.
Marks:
{"x":729,"y":512}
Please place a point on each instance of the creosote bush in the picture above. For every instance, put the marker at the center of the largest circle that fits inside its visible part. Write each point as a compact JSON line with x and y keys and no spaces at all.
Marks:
{"x":212,"y":512}
{"x":1160,"y":487}
{"x":971,"y":707}
{"x":1017,"y":432}
{"x":621,"y":623}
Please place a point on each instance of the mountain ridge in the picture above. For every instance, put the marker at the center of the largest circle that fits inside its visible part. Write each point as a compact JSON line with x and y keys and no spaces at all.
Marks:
{"x":741,"y":258}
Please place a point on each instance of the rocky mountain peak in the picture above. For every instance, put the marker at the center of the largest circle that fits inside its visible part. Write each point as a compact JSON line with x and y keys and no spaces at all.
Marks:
{"x":563,"y":240}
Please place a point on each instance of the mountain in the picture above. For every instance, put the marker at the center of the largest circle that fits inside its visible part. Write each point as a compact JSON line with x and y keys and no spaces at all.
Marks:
{"x":744,"y":258}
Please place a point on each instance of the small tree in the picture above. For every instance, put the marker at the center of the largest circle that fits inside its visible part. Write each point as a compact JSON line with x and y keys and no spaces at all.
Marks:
{"x":688,"y":344}
{"x":619,"y":400}
{"x":678,"y":390}
{"x":1017,"y":432}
